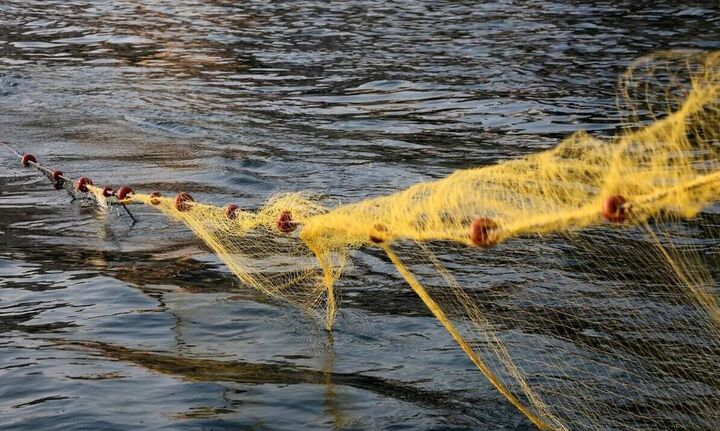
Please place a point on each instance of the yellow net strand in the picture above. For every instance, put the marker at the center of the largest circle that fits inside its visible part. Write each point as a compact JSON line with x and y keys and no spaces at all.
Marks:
{"x":628,"y":212}
{"x":437,"y":311}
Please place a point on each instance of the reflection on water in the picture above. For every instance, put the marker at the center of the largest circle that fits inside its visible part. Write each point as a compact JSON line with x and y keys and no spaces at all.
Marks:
{"x":209,"y":370}
{"x":233,"y":102}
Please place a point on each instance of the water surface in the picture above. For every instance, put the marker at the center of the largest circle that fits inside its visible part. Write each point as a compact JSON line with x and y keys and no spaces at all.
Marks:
{"x":105,"y":325}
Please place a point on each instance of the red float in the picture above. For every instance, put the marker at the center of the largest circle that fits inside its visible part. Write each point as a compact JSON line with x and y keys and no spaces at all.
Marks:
{"x":181,"y":201}
{"x":285,"y":222}
{"x":107,"y":192}
{"x":480,"y":231}
{"x":123,"y":192}
{"x":154,"y":198}
{"x":57,"y":180}
{"x":614,"y":209}
{"x":230,"y":211}
{"x":82,"y":183}
{"x":27,"y":158}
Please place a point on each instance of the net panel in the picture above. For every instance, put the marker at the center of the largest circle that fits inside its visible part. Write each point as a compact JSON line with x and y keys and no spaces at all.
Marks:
{"x":581,"y":281}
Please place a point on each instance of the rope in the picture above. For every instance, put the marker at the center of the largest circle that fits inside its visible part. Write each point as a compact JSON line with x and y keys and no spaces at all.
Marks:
{"x":64,"y":181}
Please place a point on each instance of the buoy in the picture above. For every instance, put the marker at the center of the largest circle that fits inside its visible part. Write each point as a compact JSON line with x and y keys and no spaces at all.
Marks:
{"x":230,"y":211}
{"x":377,"y":235}
{"x":82,"y":183}
{"x":154,"y":198}
{"x":27,"y":158}
{"x":285,"y":222}
{"x":123,"y":192}
{"x":107,"y":192}
{"x":614,"y":210}
{"x":181,"y":201}
{"x":57,"y":180}
{"x":480,"y":231}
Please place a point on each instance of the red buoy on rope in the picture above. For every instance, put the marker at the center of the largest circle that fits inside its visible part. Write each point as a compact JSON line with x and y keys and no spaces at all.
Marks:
{"x":154,"y":198}
{"x":123,"y":192}
{"x":57,"y":180}
{"x":285,"y":222}
{"x":107,"y":192}
{"x":480,"y":231}
{"x":82,"y":183}
{"x":181,"y":201}
{"x":27,"y":158}
{"x":230,"y":211}
{"x":614,"y":209}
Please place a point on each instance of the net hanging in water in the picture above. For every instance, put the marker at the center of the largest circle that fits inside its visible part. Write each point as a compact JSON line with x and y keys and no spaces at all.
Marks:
{"x":603,"y":309}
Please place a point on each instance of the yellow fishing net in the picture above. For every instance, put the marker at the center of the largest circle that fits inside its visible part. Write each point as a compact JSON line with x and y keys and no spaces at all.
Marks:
{"x":581,"y":281}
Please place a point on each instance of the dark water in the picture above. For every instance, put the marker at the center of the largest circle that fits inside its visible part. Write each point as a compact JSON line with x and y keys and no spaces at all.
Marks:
{"x":104,"y":325}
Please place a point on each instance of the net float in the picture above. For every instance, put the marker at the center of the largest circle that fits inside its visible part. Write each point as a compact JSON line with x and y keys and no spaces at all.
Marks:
{"x":56,"y":177}
{"x":285,"y":222}
{"x":182,"y":201}
{"x":480,"y":231}
{"x":82,"y":183}
{"x":123,"y":192}
{"x":613,"y":209}
{"x":27,"y":159}
{"x":230,"y":211}
{"x":155,"y":198}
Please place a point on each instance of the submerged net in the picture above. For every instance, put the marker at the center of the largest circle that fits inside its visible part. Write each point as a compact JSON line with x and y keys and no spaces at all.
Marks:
{"x":581,"y":281}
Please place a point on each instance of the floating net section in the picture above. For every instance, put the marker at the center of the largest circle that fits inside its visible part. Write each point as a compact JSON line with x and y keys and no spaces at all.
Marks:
{"x":581,"y":281}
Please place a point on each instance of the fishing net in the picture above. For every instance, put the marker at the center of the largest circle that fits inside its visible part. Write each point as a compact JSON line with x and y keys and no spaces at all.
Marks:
{"x":581,"y":281}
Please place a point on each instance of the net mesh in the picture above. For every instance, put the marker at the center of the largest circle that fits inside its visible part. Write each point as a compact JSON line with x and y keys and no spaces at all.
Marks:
{"x":580,"y":322}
